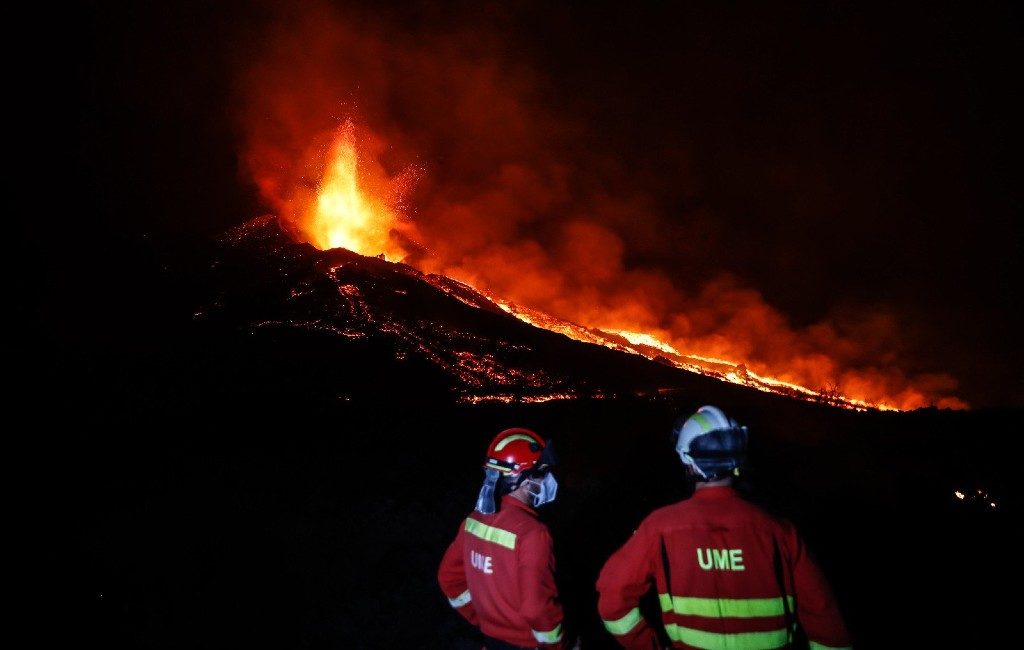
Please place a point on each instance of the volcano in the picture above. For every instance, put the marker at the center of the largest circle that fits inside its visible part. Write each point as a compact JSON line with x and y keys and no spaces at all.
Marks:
{"x":289,"y":467}
{"x":474,"y":346}
{"x":390,"y":321}
{"x":468,"y":345}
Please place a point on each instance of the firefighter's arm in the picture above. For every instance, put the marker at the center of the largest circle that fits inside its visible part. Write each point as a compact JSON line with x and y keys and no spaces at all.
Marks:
{"x":816,"y":608}
{"x":541,"y":606}
{"x":625,"y":577}
{"x":451,"y":575}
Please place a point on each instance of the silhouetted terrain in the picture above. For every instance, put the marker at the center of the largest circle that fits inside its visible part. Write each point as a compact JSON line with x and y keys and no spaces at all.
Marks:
{"x":285,"y":465}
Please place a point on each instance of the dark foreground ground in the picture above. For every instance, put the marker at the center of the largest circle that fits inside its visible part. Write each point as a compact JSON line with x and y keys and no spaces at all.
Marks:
{"x":218,"y":507}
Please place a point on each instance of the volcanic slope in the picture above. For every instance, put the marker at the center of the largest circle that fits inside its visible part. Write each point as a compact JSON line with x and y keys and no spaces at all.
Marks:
{"x":374,"y":323}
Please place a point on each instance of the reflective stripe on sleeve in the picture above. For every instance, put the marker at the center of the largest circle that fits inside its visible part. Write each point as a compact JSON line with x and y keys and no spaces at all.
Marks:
{"x":461,"y":599}
{"x":738,"y":641}
{"x":725,"y":607}
{"x":821,"y":646}
{"x":553,"y":636}
{"x":624,"y":624}
{"x":490,"y":533}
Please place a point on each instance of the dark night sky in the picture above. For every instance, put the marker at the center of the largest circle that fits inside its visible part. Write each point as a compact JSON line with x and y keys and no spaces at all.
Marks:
{"x":837,"y":157}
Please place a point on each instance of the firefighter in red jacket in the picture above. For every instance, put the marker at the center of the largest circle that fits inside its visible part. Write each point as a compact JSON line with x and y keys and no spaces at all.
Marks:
{"x":499,"y":571}
{"x":728,"y":575}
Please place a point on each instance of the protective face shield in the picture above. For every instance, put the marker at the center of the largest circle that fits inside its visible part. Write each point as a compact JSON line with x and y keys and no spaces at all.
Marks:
{"x":542,"y":490}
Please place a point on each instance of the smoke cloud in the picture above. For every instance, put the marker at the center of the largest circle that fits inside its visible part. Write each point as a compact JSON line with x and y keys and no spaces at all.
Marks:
{"x":519,"y":197}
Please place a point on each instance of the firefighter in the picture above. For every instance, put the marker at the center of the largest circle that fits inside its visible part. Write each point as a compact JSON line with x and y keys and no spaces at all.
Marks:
{"x":499,"y":571}
{"x":728,"y":575}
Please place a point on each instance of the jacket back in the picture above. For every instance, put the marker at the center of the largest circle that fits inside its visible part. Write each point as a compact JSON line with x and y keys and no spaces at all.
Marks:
{"x":502,"y":566}
{"x":727,"y":574}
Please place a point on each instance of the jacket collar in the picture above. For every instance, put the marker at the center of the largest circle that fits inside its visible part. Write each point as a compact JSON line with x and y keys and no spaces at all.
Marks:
{"x":714,"y":492}
{"x":509,"y":501}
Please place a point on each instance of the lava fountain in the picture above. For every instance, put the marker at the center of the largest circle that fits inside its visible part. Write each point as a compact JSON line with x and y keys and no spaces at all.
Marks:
{"x":353,"y":204}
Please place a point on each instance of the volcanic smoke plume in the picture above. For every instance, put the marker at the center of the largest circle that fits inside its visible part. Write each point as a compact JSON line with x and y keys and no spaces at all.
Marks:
{"x":435,"y":145}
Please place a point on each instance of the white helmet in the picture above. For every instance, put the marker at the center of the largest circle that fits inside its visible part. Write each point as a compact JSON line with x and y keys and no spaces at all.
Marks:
{"x":710,"y":443}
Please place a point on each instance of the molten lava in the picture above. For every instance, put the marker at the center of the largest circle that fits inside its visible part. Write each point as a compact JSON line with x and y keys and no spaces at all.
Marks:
{"x":346,"y":213}
{"x":641,"y":338}
{"x":350,"y":209}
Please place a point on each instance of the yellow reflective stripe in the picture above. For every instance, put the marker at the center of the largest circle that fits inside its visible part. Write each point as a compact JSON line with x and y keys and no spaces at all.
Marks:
{"x":737,"y":641}
{"x":548,"y":637}
{"x":725,"y":607}
{"x":624,"y":624}
{"x":512,"y":438}
{"x":821,"y":646}
{"x":490,"y":533}
{"x":461,"y":599}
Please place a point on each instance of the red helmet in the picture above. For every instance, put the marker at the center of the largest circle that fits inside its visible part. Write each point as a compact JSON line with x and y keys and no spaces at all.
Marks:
{"x":513,"y":455}
{"x":515,"y":452}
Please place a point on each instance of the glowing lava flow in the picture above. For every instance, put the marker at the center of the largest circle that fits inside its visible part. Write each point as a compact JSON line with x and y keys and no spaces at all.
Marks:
{"x":348,"y":213}
{"x":639,"y":338}
{"x":650,"y":347}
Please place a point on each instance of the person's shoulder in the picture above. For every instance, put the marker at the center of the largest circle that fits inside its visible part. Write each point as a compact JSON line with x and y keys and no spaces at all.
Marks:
{"x":664,"y":515}
{"x":523,"y":521}
{"x":533,"y":530}
{"x":769,"y":516}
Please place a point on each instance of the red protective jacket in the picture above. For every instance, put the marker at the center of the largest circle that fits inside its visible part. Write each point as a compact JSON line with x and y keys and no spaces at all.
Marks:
{"x":499,"y":574}
{"x":721,"y":566}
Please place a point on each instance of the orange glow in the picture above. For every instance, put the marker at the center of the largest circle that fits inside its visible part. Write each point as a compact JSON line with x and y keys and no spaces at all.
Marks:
{"x":345,"y":212}
{"x":640,"y":338}
{"x":513,"y":211}
{"x":349,"y":209}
